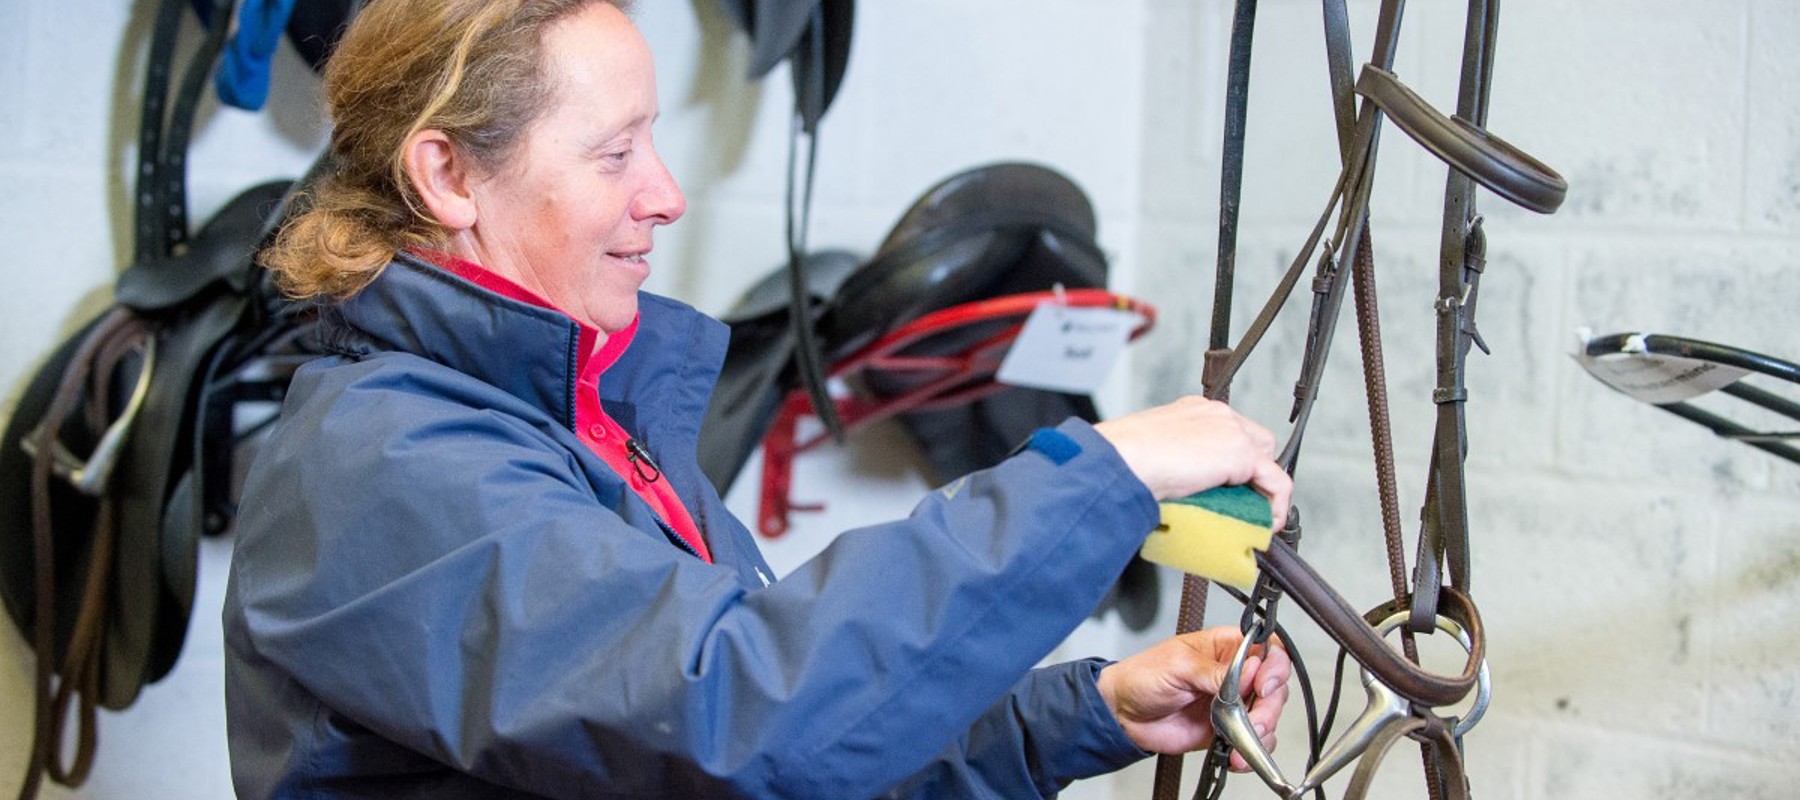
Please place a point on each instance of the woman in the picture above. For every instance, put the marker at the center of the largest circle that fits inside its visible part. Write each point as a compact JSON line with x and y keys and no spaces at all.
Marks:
{"x":477,"y":557}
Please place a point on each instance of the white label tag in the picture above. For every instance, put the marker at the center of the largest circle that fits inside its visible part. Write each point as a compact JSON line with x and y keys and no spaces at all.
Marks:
{"x":1658,"y":379}
{"x":1067,"y":349}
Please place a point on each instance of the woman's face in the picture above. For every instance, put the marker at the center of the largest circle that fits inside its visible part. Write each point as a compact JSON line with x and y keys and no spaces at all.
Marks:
{"x":570,"y":215}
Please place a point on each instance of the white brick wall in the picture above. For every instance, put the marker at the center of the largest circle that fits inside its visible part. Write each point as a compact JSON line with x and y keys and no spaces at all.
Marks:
{"x":1639,"y":577}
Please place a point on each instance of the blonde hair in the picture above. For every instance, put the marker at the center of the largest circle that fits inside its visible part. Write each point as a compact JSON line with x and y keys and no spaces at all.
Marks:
{"x":470,"y":68}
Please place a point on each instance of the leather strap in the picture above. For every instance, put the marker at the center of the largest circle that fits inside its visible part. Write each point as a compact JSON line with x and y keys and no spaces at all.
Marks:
{"x":1353,"y":631}
{"x":151,"y":234}
{"x":1433,"y":733}
{"x":84,"y":388}
{"x":1462,"y":259}
{"x":802,"y":316}
{"x":1364,"y":776}
{"x":1215,"y":379}
{"x":1231,"y":179}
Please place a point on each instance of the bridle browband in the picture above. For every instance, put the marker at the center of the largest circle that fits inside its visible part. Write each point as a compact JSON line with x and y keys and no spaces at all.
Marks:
{"x":1403,"y":696}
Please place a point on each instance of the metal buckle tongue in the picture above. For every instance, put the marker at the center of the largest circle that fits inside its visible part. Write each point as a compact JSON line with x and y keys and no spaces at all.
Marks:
{"x":1231,"y":720}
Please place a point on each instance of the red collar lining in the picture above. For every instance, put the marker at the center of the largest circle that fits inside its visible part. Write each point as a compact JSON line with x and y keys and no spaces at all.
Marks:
{"x":594,"y":362}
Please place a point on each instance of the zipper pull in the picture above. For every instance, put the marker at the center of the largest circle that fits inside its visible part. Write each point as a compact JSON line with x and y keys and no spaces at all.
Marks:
{"x":639,"y":457}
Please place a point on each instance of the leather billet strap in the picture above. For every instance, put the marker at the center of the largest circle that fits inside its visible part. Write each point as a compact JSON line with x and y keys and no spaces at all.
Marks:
{"x":151,"y":235}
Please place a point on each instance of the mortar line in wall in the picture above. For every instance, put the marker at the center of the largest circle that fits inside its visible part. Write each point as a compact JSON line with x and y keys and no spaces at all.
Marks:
{"x":1747,"y":111}
{"x":1553,"y":475}
{"x":1565,"y":297}
{"x":1711,"y":606}
{"x":1535,"y":773}
{"x":1717,"y":749}
{"x":1529,"y":233}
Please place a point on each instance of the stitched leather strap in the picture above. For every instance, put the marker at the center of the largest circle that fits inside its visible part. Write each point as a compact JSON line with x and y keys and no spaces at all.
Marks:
{"x":1353,"y":631}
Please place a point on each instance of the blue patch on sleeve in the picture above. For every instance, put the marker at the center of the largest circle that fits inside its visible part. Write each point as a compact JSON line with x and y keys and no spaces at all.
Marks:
{"x":1055,"y":446}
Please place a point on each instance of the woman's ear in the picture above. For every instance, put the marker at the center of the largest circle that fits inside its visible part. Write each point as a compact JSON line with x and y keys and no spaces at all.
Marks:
{"x":440,"y":175}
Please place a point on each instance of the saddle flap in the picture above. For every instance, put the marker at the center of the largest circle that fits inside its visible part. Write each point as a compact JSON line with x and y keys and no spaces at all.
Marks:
{"x":221,"y":253}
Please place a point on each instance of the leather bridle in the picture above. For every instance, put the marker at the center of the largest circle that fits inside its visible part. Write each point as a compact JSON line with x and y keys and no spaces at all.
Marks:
{"x":1403,"y":696}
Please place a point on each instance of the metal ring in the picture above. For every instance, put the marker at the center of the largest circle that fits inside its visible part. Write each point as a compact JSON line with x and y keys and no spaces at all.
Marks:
{"x":1483,"y":682}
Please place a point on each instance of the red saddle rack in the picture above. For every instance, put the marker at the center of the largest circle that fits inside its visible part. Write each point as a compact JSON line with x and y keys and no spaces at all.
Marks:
{"x":986,"y":330}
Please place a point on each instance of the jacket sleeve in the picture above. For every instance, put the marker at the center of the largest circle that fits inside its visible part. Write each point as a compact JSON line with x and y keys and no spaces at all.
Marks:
{"x":441,"y":573}
{"x":1052,"y":729}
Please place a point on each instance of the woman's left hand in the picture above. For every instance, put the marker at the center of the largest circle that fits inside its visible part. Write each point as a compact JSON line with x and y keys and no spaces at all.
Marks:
{"x":1163,"y":696}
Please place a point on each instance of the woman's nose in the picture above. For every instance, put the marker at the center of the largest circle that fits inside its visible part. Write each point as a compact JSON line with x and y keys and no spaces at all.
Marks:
{"x":661,"y":200}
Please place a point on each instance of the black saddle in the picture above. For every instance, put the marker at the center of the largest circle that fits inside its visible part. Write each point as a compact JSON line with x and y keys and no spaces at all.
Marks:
{"x":190,"y":304}
{"x":989,"y":232}
{"x":117,"y":457}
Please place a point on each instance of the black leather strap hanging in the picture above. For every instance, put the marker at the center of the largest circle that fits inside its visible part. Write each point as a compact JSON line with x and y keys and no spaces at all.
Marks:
{"x":180,"y":125}
{"x":1191,"y":613}
{"x":151,"y":237}
{"x":809,"y":92}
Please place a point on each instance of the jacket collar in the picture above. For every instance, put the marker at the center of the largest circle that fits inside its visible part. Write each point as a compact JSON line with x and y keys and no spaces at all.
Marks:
{"x":534,"y":352}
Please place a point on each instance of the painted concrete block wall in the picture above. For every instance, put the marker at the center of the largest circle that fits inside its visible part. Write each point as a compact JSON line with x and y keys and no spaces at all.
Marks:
{"x":1637,"y":574}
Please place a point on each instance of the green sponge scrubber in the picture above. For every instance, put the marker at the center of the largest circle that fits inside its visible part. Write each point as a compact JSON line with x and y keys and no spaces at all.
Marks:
{"x":1213,"y":534}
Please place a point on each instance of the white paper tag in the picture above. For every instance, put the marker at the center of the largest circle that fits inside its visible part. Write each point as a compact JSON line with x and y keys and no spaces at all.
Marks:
{"x":1067,"y":349}
{"x":1658,"y":379}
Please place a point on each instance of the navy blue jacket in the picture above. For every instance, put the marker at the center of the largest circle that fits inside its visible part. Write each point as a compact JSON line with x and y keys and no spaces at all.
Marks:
{"x":439,"y":591}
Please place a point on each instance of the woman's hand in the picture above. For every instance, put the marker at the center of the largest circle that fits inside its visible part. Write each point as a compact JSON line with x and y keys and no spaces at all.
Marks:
{"x":1195,"y":444}
{"x":1163,"y":696}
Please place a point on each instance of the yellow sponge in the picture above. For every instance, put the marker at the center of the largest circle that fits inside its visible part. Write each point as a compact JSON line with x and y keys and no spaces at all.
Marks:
{"x":1212,"y":534}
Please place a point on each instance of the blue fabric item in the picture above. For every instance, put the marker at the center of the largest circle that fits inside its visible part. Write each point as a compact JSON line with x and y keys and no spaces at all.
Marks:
{"x":1054,"y":445}
{"x":242,"y":79}
{"x":437,"y":590}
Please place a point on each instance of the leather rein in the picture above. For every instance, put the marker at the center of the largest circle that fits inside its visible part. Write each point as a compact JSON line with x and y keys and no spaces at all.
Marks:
{"x":1403,"y":696}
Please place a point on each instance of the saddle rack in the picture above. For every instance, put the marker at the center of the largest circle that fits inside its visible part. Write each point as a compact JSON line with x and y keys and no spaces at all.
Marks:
{"x":928,"y":379}
{"x":1670,"y":372}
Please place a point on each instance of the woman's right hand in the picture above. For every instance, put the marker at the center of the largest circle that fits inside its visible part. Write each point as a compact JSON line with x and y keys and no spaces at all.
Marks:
{"x":1194,"y":444}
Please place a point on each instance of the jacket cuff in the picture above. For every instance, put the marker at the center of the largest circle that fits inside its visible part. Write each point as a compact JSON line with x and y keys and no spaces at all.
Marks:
{"x":1076,"y":735}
